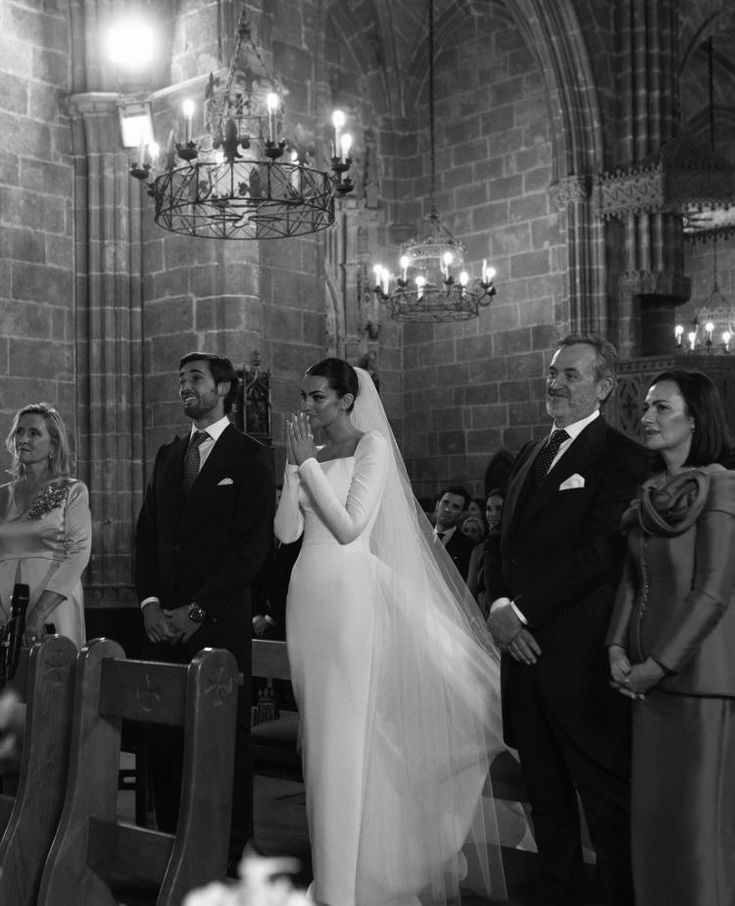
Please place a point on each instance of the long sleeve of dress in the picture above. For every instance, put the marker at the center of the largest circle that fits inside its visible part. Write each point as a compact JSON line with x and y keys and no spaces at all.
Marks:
{"x":346,"y":521}
{"x":289,"y":521}
{"x":617,"y":633}
{"x":694,"y":618}
{"x":77,"y":542}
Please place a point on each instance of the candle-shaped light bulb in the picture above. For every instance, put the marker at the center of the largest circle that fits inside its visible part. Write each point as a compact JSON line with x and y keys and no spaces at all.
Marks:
{"x":726,"y":337}
{"x":272,"y":102}
{"x":484,"y":270}
{"x":692,"y":337}
{"x":338,"y":121}
{"x":447,"y":259}
{"x":679,"y":333}
{"x":154,"y":151}
{"x":420,"y":284}
{"x":386,"y":281}
{"x":188,"y":108}
{"x":345,"y":144}
{"x":404,"y":262}
{"x":710,"y":328}
{"x":141,"y":152}
{"x":489,"y":274}
{"x":464,"y":278}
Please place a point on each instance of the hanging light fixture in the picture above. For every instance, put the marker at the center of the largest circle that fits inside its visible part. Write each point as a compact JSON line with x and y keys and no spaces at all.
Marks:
{"x":711,"y":329}
{"x":433,"y":284}
{"x":242,"y":179}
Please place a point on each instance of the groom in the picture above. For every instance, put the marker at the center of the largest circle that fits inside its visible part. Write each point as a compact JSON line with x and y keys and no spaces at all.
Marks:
{"x":203,"y":532}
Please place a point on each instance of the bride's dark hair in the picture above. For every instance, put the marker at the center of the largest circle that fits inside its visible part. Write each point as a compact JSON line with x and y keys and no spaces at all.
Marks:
{"x":341,"y":376}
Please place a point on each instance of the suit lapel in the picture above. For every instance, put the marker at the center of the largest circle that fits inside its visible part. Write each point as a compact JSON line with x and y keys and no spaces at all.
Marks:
{"x":584,"y":450}
{"x":517,"y":491}
{"x":218,"y":457}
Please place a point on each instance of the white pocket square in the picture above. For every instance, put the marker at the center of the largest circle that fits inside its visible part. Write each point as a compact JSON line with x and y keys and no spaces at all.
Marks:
{"x":574,"y":481}
{"x":225,"y":481}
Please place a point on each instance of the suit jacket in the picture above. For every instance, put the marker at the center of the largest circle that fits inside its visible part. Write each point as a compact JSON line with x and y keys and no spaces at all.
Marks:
{"x":561,"y":555}
{"x":208,"y":545}
{"x":460,"y":547}
{"x":683,"y":580}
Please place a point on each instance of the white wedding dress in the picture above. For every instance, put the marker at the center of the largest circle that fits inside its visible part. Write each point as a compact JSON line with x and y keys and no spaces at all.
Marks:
{"x":393,"y":717}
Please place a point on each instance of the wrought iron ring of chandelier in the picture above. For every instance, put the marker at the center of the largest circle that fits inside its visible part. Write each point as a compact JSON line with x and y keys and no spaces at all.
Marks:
{"x":234,"y":184}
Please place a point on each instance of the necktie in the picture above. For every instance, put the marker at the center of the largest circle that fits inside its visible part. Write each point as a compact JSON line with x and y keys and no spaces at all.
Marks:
{"x":546,"y":456}
{"x":191,"y":459}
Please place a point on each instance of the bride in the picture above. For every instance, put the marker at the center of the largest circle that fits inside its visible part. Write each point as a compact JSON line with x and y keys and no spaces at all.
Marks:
{"x":395,"y":677}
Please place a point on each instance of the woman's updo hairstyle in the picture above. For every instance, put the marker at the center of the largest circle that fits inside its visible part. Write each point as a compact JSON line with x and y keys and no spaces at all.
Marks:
{"x":340,"y":375}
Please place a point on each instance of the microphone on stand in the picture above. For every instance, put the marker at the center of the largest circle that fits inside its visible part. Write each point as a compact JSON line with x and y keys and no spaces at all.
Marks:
{"x":11,"y":635}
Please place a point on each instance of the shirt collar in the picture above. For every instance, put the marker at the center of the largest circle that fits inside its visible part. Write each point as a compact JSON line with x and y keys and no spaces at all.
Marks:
{"x":575,"y":429}
{"x":214,"y":430}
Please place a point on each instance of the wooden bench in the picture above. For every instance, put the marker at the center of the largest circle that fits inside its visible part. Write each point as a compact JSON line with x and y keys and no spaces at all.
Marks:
{"x":28,"y":820}
{"x":273,"y":742}
{"x":92,"y":850}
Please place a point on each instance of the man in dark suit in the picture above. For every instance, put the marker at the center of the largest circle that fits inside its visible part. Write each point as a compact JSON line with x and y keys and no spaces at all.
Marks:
{"x":203,"y":533}
{"x":561,"y":556}
{"x":450,"y":507}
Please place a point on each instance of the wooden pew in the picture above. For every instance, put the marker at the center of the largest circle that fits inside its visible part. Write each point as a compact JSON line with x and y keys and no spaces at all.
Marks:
{"x":28,"y":820}
{"x":273,"y":742}
{"x":92,"y":849}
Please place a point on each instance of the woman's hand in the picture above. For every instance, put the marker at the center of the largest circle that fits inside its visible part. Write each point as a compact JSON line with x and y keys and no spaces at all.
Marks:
{"x":644,"y":677}
{"x":619,"y":668}
{"x":300,"y":440}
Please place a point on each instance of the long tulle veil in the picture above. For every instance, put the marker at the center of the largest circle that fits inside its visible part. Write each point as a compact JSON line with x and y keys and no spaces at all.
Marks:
{"x":436,"y":718}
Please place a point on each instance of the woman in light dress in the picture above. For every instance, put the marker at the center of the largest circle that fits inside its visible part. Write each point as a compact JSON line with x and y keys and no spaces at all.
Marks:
{"x":45,"y":526}
{"x":396,"y":679}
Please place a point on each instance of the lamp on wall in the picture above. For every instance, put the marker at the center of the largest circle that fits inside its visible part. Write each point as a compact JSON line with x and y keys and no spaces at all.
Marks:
{"x":243,"y":179}
{"x":432,"y":284}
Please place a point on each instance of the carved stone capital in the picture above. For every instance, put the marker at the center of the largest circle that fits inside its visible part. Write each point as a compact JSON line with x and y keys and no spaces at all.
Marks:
{"x":669,"y":284}
{"x":569,"y":190}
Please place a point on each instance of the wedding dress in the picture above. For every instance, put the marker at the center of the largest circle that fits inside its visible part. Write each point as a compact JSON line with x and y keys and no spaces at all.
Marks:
{"x":396,"y":681}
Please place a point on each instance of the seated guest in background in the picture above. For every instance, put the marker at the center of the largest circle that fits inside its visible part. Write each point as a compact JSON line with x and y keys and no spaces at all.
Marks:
{"x":671,"y":644}
{"x":45,"y":526}
{"x":450,"y":505}
{"x":476,"y":507}
{"x":486,"y":555}
{"x":473,"y":527}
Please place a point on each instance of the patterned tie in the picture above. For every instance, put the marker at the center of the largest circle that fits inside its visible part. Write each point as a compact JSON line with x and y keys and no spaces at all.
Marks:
{"x":546,"y":456}
{"x":191,"y":459}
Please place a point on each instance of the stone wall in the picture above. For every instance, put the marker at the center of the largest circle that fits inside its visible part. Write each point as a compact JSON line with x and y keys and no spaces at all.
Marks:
{"x":37,"y":292}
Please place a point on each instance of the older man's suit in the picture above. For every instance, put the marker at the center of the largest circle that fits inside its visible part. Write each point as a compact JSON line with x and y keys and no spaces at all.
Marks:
{"x":205,"y":546}
{"x":561,"y":556}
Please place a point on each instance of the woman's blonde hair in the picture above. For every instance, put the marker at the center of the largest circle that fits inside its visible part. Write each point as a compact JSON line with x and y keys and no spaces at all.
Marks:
{"x":59,"y":459}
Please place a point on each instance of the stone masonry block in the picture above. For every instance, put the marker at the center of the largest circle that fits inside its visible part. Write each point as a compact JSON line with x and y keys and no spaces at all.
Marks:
{"x":14,"y":96}
{"x":39,"y":283}
{"x":37,"y":357}
{"x":23,"y":319}
{"x":45,"y":177}
{"x":483,"y":441}
{"x":530,"y":264}
{"x":493,"y":416}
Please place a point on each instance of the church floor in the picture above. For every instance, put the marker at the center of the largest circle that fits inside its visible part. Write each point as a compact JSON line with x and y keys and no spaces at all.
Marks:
{"x":280,"y":830}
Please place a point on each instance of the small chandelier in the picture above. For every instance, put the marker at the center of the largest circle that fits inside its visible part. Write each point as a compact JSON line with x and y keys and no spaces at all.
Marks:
{"x":711,"y":330}
{"x":242,"y":179}
{"x":432,"y":285}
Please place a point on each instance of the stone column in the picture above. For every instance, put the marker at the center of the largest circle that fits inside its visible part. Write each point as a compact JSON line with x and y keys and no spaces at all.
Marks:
{"x":109,"y":341}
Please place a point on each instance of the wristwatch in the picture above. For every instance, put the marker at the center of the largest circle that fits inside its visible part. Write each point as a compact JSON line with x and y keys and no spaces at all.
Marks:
{"x":196,"y":613}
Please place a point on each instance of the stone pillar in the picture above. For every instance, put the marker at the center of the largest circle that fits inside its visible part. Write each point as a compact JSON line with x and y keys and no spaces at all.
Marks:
{"x":651,"y":280}
{"x":109,"y":341}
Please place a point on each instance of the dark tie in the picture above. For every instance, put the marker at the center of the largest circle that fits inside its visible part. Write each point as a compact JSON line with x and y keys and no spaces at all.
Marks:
{"x":546,"y":456}
{"x":191,"y":459}
{"x":439,"y":537}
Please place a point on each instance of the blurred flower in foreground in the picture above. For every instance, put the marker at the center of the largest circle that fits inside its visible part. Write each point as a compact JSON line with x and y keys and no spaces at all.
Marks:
{"x":264,"y":883}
